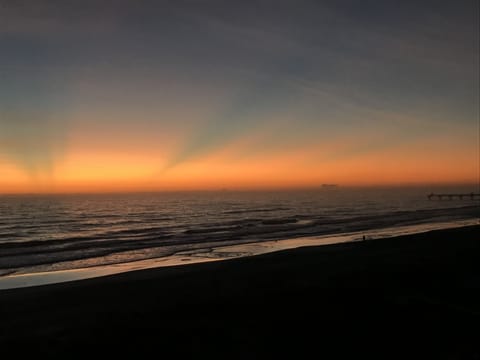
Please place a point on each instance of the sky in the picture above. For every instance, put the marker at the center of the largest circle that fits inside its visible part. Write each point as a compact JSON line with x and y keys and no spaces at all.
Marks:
{"x":133,"y":95}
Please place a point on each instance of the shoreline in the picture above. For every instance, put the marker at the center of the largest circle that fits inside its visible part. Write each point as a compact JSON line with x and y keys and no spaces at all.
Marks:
{"x":412,"y":296}
{"x":219,"y":253}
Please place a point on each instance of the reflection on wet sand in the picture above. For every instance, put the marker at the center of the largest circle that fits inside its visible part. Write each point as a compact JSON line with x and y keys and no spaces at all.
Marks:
{"x":216,"y":254}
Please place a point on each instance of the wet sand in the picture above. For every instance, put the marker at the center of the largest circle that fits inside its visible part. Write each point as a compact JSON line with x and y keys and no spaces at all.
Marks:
{"x":415,"y":296}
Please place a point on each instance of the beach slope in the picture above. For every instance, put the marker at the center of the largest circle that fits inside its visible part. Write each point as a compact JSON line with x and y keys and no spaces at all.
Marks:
{"x":415,"y":296}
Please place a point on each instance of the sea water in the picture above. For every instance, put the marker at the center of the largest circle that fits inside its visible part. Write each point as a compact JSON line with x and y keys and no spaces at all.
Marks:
{"x":45,"y":233}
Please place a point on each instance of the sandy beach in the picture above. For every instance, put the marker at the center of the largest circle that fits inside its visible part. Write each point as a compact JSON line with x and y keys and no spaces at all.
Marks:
{"x":413,"y":296}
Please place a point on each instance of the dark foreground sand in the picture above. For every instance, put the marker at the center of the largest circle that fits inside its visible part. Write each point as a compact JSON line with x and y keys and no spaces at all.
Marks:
{"x":407,"y":297}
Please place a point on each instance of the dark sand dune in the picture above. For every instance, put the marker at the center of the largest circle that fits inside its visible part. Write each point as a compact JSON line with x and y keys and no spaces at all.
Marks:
{"x":407,"y":297}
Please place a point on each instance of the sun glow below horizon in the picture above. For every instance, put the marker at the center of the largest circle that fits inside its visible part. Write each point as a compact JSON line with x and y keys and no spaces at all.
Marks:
{"x":119,"y":170}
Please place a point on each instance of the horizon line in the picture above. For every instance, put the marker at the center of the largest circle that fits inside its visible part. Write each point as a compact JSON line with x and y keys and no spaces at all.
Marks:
{"x":241,"y":189}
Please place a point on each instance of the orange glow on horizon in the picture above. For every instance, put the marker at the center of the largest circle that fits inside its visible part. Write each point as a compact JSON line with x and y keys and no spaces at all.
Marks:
{"x":123,"y":161}
{"x":102,"y":171}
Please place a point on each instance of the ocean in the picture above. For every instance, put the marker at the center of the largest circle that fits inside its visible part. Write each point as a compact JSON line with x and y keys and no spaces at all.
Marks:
{"x":47,"y":233}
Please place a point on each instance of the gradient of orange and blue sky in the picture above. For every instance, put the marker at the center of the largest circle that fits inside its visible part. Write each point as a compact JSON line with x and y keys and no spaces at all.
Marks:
{"x":205,"y":94}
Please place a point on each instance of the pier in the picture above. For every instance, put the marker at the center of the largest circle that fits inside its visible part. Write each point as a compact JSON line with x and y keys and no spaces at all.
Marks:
{"x":471,"y":196}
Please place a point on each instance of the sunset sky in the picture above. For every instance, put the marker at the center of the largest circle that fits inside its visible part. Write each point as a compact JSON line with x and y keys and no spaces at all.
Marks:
{"x":134,"y":95}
